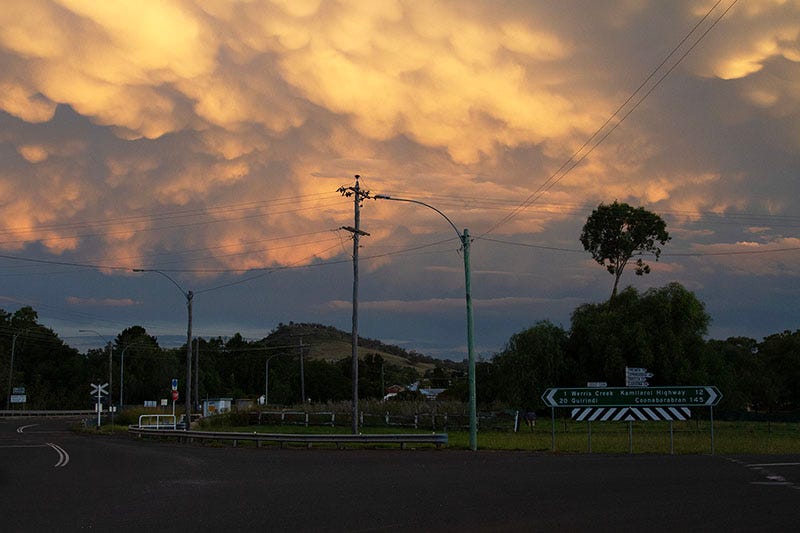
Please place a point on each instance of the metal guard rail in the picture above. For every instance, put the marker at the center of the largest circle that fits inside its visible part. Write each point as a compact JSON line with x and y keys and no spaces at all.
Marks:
{"x":21,"y":413}
{"x":437,"y":439}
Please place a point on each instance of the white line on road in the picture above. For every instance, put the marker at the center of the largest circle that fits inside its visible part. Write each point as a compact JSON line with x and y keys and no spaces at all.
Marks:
{"x":773,"y":464}
{"x":63,"y":456}
{"x":23,"y":428}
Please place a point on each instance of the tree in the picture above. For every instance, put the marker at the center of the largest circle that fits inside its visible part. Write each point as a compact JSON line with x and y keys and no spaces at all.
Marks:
{"x":533,"y":360}
{"x":614,"y":233}
{"x":661,"y":330}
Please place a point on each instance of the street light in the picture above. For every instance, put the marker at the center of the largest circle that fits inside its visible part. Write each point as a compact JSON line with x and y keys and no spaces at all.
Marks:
{"x":267,"y":357}
{"x":108,"y":348}
{"x":11,"y":367}
{"x":189,"y":295}
{"x":122,"y":374}
{"x":465,"y":242}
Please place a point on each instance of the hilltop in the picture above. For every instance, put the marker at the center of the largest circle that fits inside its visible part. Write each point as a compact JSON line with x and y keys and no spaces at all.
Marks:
{"x":331,"y":344}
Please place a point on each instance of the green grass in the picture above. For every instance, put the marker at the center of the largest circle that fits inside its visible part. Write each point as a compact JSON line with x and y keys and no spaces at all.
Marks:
{"x":692,"y":437}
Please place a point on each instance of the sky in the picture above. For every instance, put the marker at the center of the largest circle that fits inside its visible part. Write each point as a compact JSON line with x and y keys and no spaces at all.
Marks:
{"x":207,"y":139}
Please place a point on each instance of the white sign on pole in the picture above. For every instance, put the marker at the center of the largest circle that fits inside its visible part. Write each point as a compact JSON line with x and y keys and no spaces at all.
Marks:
{"x":637,"y":377}
{"x":99,"y":390}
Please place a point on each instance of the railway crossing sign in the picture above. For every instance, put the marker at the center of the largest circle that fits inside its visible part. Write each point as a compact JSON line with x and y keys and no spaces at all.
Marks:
{"x":99,"y":391}
{"x":698,"y":396}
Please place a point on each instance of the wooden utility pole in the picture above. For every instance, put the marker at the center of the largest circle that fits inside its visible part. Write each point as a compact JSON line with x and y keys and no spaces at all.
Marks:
{"x":358,"y":195}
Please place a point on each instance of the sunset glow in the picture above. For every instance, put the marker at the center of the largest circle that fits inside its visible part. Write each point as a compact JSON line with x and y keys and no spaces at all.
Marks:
{"x":208,"y":138}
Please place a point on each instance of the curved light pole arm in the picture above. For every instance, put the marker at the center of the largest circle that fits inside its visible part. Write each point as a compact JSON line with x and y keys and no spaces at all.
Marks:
{"x":185,"y":293}
{"x":189,"y":297}
{"x":465,"y":242}
{"x":394,"y":199}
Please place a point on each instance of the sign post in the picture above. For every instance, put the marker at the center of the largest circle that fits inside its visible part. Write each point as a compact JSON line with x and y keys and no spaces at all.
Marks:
{"x":633,"y":403}
{"x":174,"y":394}
{"x":99,"y":390}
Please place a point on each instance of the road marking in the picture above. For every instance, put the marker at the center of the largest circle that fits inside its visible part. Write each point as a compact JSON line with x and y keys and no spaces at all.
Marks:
{"x":23,"y":428}
{"x":63,"y":456}
{"x":772,"y":479}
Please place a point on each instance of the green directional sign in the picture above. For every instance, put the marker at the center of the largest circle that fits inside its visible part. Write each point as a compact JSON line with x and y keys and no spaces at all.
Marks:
{"x":699,"y":396}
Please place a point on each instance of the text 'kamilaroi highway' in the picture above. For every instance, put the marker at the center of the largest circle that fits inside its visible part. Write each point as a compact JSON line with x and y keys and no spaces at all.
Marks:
{"x":697,"y":396}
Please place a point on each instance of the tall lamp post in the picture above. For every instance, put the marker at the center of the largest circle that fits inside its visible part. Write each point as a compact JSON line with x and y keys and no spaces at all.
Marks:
{"x":465,"y":242}
{"x":189,"y":295}
{"x":122,"y":374}
{"x":108,"y":348}
{"x":11,"y":367}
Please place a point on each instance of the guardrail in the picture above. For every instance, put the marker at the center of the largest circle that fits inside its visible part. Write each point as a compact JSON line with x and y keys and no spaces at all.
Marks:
{"x":25,"y":413}
{"x":156,"y":421}
{"x":436,"y":439}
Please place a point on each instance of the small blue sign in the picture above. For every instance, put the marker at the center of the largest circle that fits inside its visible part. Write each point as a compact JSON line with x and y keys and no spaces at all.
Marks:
{"x":174,"y":384}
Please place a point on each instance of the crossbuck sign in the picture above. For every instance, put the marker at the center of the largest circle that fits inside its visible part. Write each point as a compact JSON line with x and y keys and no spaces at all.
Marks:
{"x":99,"y":391}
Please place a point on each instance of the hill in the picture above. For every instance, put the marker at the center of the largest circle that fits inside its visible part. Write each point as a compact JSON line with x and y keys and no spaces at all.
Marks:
{"x":331,"y":344}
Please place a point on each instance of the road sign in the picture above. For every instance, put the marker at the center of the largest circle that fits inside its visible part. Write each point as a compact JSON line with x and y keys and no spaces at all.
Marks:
{"x":682,"y":396}
{"x":174,"y":384}
{"x":174,"y":396}
{"x":637,"y":377}
{"x":99,"y":390}
{"x":619,"y":414}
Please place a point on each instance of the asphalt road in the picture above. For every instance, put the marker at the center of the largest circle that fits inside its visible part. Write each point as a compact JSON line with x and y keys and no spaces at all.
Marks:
{"x":55,"y":480}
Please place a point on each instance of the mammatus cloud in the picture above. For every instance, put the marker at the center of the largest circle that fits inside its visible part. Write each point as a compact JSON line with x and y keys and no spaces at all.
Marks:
{"x":121,"y":113}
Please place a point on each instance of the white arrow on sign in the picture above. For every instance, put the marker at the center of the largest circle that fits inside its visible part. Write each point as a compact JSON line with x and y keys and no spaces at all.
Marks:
{"x":713,"y":395}
{"x":551,"y":400}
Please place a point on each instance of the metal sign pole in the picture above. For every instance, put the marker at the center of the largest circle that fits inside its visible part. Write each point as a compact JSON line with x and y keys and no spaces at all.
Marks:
{"x":711,"y":410}
{"x":671,"y":439}
{"x":553,"y":418}
{"x":630,"y":436}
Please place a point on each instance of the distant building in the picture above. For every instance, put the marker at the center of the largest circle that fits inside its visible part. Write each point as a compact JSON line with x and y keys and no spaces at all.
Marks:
{"x":216,"y":406}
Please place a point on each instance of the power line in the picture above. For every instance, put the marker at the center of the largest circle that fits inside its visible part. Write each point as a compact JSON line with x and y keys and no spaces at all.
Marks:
{"x":663,"y":253}
{"x":579,"y":155}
